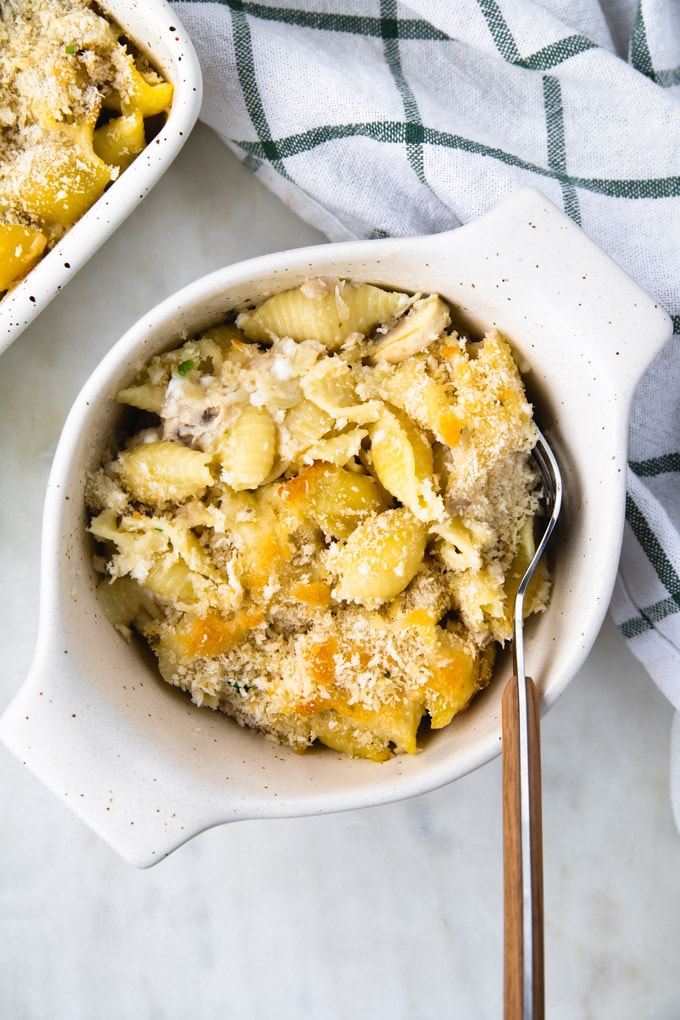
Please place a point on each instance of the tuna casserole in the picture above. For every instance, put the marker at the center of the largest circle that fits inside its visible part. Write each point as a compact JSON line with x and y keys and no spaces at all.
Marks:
{"x":319,"y":515}
{"x":78,"y":104}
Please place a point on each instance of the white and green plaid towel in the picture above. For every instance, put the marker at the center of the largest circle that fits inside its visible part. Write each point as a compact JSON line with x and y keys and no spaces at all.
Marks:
{"x":373,"y":118}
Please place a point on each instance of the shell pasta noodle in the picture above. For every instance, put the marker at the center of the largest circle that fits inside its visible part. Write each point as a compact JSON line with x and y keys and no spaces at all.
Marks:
{"x":317,"y":515}
{"x":78,"y":104}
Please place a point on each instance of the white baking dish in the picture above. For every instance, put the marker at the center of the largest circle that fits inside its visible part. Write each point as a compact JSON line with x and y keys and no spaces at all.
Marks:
{"x":154,"y":28}
{"x":133,"y":757}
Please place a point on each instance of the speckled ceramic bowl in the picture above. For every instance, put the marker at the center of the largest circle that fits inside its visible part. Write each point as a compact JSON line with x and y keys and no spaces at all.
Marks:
{"x":154,"y":28}
{"x":145,"y":768}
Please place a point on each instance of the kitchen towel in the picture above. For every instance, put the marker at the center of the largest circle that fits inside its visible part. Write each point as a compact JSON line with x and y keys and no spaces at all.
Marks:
{"x":379,"y":118}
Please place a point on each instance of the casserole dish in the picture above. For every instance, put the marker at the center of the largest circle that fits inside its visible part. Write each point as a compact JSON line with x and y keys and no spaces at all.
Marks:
{"x":138,"y":762}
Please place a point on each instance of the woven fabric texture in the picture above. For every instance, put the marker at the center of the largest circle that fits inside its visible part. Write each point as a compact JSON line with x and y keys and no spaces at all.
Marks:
{"x":379,"y":118}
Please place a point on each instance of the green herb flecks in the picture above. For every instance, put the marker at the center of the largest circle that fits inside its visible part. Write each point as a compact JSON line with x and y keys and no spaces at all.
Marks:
{"x":238,"y":685}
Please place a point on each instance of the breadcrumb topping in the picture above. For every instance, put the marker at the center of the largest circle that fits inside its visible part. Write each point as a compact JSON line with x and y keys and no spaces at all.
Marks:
{"x":66,"y":74}
{"x":351,"y":531}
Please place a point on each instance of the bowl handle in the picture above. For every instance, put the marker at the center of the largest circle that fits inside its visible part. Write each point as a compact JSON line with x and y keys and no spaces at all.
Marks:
{"x":84,"y":758}
{"x":518,"y":239}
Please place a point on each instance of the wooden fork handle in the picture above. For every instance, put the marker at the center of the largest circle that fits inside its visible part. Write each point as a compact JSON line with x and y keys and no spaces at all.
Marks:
{"x":515,"y":936}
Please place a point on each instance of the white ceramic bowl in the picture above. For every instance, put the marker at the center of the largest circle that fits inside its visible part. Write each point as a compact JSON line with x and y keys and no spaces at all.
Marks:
{"x":145,"y":768}
{"x":154,"y":28}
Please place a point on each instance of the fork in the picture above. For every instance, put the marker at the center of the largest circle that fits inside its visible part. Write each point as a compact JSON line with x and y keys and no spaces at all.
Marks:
{"x":524,"y":984}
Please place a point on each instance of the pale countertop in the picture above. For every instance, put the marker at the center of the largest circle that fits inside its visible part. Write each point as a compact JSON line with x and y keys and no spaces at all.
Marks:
{"x":390,"y":911}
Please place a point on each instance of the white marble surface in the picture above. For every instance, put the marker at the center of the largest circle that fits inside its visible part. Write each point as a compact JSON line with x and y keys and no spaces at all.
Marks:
{"x":392,"y":911}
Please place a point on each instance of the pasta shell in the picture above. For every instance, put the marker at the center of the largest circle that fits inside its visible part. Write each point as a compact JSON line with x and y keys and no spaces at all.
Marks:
{"x":457,"y":673}
{"x":336,"y":499}
{"x":338,"y":450}
{"x":330,"y":385}
{"x":163,"y":472}
{"x":145,"y":396}
{"x":380,"y":558}
{"x":329,"y":317}
{"x":171,"y":578}
{"x":120,"y":140}
{"x":424,"y":399}
{"x":262,"y":548}
{"x":248,"y":449}
{"x":402,"y":461}
{"x":304,"y":424}
{"x":121,"y":601}
{"x":137,"y":93}
{"x":20,"y":249}
{"x":343,"y":498}
{"x":58,"y":187}
{"x":461,"y":546}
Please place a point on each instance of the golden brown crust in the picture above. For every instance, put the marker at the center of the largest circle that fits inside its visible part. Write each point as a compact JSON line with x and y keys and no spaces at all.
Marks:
{"x":334,"y":601}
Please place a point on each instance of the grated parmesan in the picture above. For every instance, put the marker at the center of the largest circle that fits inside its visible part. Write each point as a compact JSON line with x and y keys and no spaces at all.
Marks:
{"x":65,"y":69}
{"x":317,"y":604}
